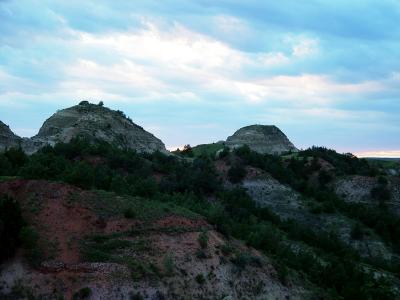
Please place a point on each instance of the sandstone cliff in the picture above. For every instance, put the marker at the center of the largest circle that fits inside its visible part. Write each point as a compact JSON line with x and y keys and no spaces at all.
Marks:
{"x":262,"y":139}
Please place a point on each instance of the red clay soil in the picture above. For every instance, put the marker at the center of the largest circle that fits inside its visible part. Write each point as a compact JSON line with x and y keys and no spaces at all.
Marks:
{"x":252,"y":172}
{"x":119,"y":225}
{"x":221,"y":166}
{"x":182,"y":222}
{"x":62,"y":221}
{"x":59,"y":220}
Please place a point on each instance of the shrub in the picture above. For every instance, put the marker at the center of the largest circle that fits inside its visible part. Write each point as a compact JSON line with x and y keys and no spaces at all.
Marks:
{"x":381,"y":194}
{"x":129,"y":213}
{"x":243,"y":259}
{"x":200,"y":279}
{"x":16,"y":157}
{"x":10,"y":226}
{"x":224,"y":152}
{"x":169,"y":265}
{"x":382,"y":180}
{"x":5,"y":166}
{"x":201,"y":254}
{"x":203,"y":240}
{"x":187,"y":151}
{"x":29,"y":237}
{"x":236,"y":173}
{"x":83,"y":293}
{"x":356,"y":232}
{"x":136,"y":296}
{"x":29,"y":240}
{"x":227,"y":249}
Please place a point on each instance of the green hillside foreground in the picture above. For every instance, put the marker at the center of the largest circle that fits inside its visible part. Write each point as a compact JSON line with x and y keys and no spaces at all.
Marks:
{"x":162,"y":184}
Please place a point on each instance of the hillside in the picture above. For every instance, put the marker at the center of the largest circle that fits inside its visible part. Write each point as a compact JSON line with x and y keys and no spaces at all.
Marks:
{"x":121,"y":247}
{"x":7,"y":138}
{"x":90,"y":219}
{"x":94,"y":122}
{"x":264,"y":139}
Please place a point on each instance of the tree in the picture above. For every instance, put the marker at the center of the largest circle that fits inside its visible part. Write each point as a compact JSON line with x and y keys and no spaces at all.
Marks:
{"x":10,"y":226}
{"x":187,"y":151}
{"x":236,"y":173}
{"x":101,"y":104}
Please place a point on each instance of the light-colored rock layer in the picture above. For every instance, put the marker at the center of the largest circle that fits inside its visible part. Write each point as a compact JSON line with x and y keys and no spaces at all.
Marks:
{"x":93,"y":122}
{"x":262,"y":139}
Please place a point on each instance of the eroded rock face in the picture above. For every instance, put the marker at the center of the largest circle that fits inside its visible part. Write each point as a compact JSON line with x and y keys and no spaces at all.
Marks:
{"x":93,"y":122}
{"x":262,"y":139}
{"x":7,"y":138}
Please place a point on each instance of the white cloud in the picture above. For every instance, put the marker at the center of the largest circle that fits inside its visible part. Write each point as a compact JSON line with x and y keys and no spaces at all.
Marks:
{"x":274,"y":59}
{"x":175,"y":48}
{"x":383,"y":153}
{"x":231,"y":25}
{"x":153,"y":62}
{"x":306,"y":47}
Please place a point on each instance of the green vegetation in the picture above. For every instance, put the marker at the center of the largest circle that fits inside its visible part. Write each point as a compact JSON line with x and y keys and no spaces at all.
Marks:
{"x":236,"y":173}
{"x":129,"y":188}
{"x":169,"y":265}
{"x":203,"y":240}
{"x":200,"y":279}
{"x":207,"y":149}
{"x":83,"y":293}
{"x":112,"y":248}
{"x":129,"y":213}
{"x":10,"y":226}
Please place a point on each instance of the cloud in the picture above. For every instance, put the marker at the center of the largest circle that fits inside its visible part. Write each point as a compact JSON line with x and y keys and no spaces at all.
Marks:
{"x":318,"y":69}
{"x":383,"y":154}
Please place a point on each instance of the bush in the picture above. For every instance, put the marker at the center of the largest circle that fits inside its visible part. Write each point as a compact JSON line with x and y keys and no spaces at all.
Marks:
{"x":10,"y":226}
{"x":227,"y":249}
{"x":29,"y":237}
{"x":200,"y":279}
{"x":356,"y":232}
{"x":129,"y":213}
{"x":169,"y":265}
{"x":203,"y":240}
{"x":83,"y":293}
{"x":16,"y":157}
{"x":236,"y":173}
{"x":136,"y":296}
{"x":29,"y":240}
{"x":201,"y":254}
{"x":5,"y":166}
{"x":381,"y":194}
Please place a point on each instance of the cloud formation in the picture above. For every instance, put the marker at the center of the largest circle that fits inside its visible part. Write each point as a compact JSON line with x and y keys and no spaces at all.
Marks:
{"x":194,"y":72}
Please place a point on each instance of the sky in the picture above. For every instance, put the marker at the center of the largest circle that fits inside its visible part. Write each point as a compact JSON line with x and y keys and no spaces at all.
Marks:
{"x":327,"y":73}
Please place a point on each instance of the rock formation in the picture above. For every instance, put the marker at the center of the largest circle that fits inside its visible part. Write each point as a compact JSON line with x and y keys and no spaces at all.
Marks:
{"x":7,"y":138}
{"x":91,"y":121}
{"x":262,"y":139}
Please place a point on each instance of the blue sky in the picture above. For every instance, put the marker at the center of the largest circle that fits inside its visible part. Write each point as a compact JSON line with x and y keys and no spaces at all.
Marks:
{"x":325,"y":72}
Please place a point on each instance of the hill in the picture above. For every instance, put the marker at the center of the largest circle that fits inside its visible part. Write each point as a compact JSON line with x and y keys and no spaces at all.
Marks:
{"x":94,"y":122}
{"x":91,"y":219}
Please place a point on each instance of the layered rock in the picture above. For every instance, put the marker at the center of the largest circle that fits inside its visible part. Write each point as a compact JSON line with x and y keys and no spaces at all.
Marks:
{"x":7,"y":138}
{"x":264,"y":139}
{"x":92,"y":122}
